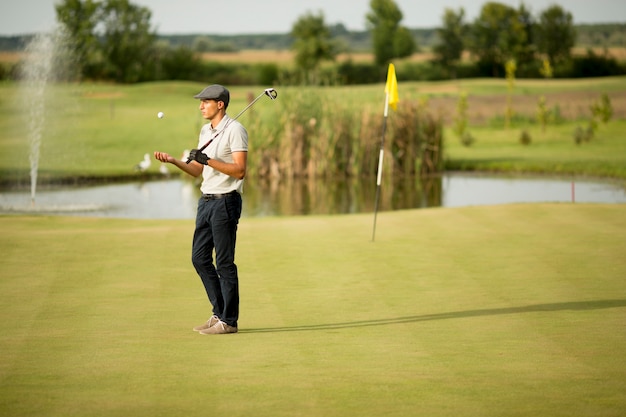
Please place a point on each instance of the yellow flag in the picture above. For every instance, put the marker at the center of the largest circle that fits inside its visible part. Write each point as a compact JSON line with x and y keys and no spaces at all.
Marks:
{"x":391,"y":87}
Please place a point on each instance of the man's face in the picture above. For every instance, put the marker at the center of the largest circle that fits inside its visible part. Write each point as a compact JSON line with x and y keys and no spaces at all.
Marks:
{"x":209,"y":108}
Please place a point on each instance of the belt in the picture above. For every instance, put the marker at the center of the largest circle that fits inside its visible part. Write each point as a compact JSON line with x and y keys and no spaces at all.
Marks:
{"x":217,"y":196}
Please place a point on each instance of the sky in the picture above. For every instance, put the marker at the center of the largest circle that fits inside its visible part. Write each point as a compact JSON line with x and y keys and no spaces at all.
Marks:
{"x":234,"y":17}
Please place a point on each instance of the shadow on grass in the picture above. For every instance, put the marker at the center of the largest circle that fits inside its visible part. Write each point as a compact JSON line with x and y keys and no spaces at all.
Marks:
{"x":575,"y":305}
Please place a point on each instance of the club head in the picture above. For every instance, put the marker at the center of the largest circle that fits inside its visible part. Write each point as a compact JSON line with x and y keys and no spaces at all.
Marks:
{"x":271,"y":93}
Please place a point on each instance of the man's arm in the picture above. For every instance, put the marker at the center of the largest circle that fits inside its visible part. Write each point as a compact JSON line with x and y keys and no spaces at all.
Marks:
{"x":236,"y":169}
{"x":193,"y":168}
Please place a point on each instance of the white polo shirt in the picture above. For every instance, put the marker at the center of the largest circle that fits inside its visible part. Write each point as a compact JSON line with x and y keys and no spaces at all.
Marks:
{"x":231,"y":137}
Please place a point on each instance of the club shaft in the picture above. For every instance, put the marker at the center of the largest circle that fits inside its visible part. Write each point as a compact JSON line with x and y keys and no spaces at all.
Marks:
{"x":248,"y":106}
{"x":234,"y":118}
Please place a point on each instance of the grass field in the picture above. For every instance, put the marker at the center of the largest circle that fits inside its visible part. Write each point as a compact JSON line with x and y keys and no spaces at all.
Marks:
{"x":552,"y":153}
{"x":96,"y":130}
{"x":482,"y":311}
{"x":515,"y":310}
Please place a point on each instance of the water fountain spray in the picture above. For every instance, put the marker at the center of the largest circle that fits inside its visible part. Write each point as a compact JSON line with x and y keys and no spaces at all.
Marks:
{"x":46,"y":57}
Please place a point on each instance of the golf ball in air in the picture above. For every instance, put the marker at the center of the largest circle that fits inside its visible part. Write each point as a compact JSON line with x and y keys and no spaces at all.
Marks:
{"x":160,"y":115}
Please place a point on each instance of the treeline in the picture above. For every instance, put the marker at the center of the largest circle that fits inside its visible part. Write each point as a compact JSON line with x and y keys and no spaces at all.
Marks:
{"x":182,"y":63}
{"x":350,"y":41}
{"x":601,"y":36}
{"x":113,"y":40}
{"x":605,"y":35}
{"x":588,"y":36}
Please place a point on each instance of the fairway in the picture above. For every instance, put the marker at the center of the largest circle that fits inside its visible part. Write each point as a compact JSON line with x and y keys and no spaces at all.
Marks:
{"x":515,"y":310}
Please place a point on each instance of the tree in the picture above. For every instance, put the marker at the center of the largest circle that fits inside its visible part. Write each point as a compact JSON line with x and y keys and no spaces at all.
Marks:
{"x":496,"y":36}
{"x":202,"y":44}
{"x":313,"y":43}
{"x":403,"y":43}
{"x":112,"y":38}
{"x":128,"y":42}
{"x":525,"y":52}
{"x":510,"y":67}
{"x":79,"y":20}
{"x":181,"y":63}
{"x":449,"y":50}
{"x":389,"y":39}
{"x":556,"y":34}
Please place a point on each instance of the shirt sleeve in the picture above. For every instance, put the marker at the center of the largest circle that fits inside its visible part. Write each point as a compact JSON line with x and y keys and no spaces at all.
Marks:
{"x":239,"y":139}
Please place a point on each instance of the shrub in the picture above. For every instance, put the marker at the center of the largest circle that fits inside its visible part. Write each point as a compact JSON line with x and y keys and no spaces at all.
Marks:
{"x":601,"y":112}
{"x":589,"y":65}
{"x":602,"y":109}
{"x":460,"y":119}
{"x":544,"y":115}
{"x":4,"y":72}
{"x":267,"y":74}
{"x":179,"y":64}
{"x":582,"y":134}
{"x":467,"y":139}
{"x":525,"y":138}
{"x":351,"y":73}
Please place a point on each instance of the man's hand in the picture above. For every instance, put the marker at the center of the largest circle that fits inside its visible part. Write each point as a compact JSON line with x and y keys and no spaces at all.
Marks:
{"x":198,"y":156}
{"x":163,"y":157}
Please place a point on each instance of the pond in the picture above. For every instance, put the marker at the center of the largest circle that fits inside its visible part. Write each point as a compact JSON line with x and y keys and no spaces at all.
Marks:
{"x":177,"y":198}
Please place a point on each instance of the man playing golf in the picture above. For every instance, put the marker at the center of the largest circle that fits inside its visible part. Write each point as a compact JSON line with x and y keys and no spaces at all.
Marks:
{"x":222,"y":161}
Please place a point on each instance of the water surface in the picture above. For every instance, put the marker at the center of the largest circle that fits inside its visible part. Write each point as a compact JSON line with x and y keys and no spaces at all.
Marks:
{"x":177,"y":198}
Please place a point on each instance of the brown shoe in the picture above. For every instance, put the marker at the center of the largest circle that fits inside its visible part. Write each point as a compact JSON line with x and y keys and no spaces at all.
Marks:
{"x":219,"y":328}
{"x":211,"y":322}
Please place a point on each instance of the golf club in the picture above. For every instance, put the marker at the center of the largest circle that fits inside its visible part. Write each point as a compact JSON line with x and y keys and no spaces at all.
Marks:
{"x":270,"y":92}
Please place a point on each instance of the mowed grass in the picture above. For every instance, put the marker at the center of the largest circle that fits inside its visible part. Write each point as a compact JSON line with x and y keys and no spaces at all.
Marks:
{"x":512,"y":310}
{"x":551,"y":152}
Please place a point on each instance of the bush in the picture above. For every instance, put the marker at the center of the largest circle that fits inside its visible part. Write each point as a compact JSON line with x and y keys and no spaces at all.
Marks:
{"x":525,"y":138}
{"x":582,"y":134}
{"x":423,"y":72}
{"x":267,"y":74}
{"x":179,"y":64}
{"x":468,"y":71}
{"x":530,"y":69}
{"x":351,"y":73}
{"x":602,"y":109}
{"x":4,"y":72}
{"x":467,"y":139}
{"x":590,"y":65}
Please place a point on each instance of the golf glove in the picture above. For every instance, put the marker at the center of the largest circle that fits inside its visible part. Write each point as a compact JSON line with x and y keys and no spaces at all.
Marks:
{"x":198,"y":156}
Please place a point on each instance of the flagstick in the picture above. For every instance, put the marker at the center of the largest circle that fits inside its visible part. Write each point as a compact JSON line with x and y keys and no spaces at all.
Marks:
{"x":379,"y":175}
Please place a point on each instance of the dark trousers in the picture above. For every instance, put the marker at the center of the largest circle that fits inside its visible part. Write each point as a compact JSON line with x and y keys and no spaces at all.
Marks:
{"x":216,"y":229}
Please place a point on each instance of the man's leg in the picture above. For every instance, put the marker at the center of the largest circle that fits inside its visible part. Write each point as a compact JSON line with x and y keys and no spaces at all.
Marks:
{"x":224,"y":221}
{"x":202,"y":257}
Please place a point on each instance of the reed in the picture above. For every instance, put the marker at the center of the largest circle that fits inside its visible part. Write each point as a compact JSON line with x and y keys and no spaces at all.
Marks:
{"x":317,"y":135}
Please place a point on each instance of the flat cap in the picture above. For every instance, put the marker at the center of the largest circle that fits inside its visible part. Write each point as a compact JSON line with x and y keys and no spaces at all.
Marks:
{"x":214,"y":92}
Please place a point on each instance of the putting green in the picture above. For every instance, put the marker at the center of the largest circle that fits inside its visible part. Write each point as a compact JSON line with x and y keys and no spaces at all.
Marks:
{"x":508,"y":310}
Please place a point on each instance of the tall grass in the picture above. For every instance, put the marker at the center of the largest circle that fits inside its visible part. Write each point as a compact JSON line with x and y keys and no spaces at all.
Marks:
{"x":315,"y":135}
